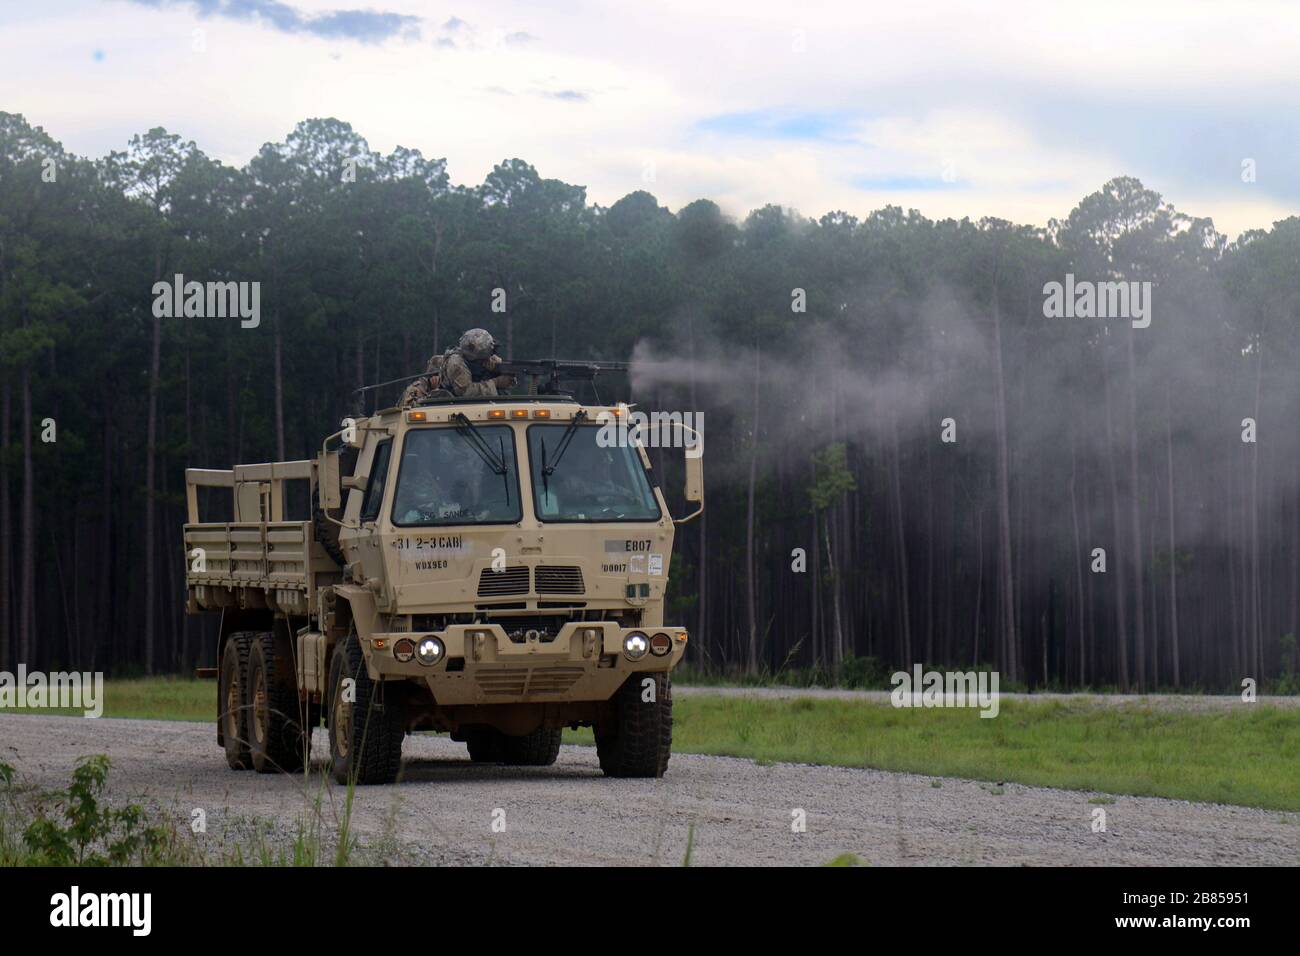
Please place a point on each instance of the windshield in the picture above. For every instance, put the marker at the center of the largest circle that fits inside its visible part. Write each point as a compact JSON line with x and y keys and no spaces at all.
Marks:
{"x":458,"y":476}
{"x":587,"y":482}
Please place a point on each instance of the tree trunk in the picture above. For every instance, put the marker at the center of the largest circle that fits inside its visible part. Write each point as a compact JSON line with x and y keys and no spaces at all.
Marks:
{"x":1121,"y":605}
{"x":979,"y":583}
{"x":105,"y":578}
{"x":232,"y":402}
{"x":1135,"y":518}
{"x":750,"y":608}
{"x":702,"y":579}
{"x":279,"y":393}
{"x":837,"y":635}
{"x":1256,"y":632}
{"x":8,"y":645}
{"x":361,"y":363}
{"x":1078,"y":565}
{"x":150,"y":511}
{"x":1010,"y":646}
{"x":816,"y":587}
{"x":1173,"y":546}
{"x":27,"y":587}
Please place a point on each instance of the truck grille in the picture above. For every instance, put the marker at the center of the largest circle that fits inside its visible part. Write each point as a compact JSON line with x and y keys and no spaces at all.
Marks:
{"x":496,"y":583}
{"x":518,"y":681}
{"x":559,"y":580}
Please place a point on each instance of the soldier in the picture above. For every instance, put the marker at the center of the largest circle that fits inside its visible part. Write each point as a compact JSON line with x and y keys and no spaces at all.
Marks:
{"x":424,"y":386}
{"x":465,"y":371}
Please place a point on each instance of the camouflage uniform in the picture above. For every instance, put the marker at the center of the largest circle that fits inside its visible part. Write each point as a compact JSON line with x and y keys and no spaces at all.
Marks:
{"x":463,"y":371}
{"x":422,"y":387}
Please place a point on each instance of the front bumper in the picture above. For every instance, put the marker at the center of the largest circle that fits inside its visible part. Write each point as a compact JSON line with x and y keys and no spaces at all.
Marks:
{"x":481,"y":665}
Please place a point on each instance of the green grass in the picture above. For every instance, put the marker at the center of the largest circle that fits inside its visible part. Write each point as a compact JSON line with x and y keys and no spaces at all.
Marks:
{"x":152,"y":698}
{"x":1248,"y":755}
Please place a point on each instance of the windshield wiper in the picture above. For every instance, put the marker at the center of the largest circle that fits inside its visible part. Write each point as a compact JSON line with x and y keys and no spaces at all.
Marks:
{"x":546,"y":474}
{"x":469,"y":431}
{"x":505,"y":482}
{"x":565,"y":439}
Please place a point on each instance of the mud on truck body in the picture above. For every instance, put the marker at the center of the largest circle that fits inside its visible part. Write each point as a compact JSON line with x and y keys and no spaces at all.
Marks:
{"x":489,"y":568}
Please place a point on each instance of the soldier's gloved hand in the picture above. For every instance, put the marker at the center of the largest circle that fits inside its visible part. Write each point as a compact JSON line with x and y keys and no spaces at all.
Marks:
{"x":491,"y":362}
{"x":504,"y":381}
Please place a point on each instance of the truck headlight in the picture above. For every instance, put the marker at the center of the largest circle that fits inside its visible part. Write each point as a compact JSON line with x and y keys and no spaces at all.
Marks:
{"x":404,"y":650}
{"x":429,"y":651}
{"x":660,"y":645}
{"x":635,"y":646}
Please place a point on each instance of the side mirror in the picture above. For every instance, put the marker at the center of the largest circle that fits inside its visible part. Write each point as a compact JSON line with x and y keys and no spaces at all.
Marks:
{"x":694,"y":489}
{"x":330,"y":485}
{"x":694,"y":447}
{"x":694,"y":483}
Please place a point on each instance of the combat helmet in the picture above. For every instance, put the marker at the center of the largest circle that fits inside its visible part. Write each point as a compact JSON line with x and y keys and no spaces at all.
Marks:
{"x":476,"y":345}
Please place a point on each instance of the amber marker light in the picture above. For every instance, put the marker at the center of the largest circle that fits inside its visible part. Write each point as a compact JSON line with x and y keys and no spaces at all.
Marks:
{"x":519,"y":413}
{"x":497,"y":413}
{"x":417,"y":416}
{"x":541,"y":413}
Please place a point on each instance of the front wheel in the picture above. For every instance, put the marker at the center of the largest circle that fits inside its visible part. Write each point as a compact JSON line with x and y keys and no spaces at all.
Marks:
{"x":366,"y":733}
{"x":634,"y":737}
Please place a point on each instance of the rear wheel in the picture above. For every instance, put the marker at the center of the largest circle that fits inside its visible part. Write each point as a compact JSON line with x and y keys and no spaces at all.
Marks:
{"x":365,"y":735}
{"x":635,"y":736}
{"x":538,"y":749}
{"x":277,"y":740}
{"x":232,"y":699}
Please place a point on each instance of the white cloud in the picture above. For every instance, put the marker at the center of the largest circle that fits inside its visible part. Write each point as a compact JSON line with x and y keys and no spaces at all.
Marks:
{"x":596,"y":91}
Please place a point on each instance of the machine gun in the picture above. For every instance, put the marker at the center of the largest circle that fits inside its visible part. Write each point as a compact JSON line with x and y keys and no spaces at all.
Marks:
{"x":545,"y":375}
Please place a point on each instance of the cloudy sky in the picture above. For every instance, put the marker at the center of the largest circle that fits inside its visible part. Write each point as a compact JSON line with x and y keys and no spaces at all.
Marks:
{"x":1014,"y":109}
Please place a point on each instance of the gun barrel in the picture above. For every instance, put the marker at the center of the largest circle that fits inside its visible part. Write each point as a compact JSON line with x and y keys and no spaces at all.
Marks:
{"x":560,"y":368}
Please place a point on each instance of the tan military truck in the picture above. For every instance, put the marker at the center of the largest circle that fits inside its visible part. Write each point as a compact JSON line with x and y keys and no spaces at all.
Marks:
{"x":492,"y":568}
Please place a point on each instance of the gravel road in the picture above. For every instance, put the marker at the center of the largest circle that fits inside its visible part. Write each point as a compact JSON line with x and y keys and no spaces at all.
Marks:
{"x":443,"y":810}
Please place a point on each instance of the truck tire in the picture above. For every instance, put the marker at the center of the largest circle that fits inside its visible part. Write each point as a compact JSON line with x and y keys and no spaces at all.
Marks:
{"x":232,"y":699}
{"x":635,"y":737}
{"x":365,"y":737}
{"x":277,"y":741}
{"x":538,"y":749}
{"x":484,"y":745}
